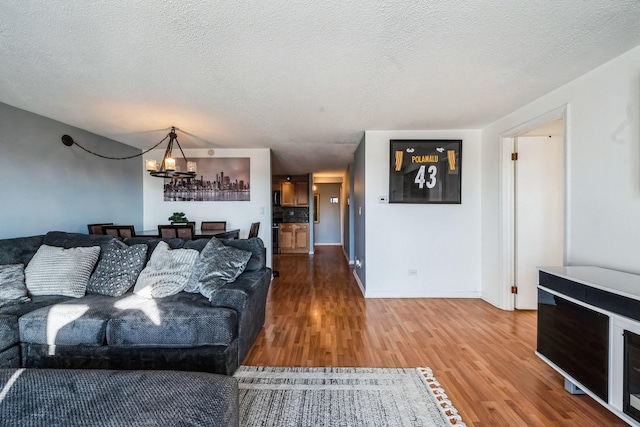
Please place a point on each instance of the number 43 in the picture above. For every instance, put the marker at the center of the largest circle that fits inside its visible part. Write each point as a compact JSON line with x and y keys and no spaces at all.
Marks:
{"x":420,"y":178}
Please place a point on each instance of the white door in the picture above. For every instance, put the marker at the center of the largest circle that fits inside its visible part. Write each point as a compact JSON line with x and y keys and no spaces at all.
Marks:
{"x":539,"y":212}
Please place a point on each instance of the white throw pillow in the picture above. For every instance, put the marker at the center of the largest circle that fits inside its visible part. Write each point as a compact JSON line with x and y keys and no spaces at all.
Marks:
{"x":166,"y":272}
{"x":60,"y":271}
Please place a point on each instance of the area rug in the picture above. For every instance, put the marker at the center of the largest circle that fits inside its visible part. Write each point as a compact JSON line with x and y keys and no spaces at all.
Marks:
{"x":349,"y":397}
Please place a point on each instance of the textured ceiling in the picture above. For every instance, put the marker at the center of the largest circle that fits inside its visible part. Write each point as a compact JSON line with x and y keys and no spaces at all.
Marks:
{"x":304,"y":78}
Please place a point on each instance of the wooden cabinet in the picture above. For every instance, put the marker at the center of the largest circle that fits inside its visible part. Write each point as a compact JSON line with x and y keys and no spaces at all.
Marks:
{"x":302,"y":194}
{"x":288,"y":194}
{"x":294,"y":238}
{"x":295,"y":193}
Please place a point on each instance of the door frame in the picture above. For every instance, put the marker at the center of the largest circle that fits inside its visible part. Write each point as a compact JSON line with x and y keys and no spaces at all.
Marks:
{"x":507,"y":199}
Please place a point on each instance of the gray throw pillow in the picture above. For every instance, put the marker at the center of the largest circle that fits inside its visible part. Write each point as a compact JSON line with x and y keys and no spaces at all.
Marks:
{"x":117,"y":269}
{"x":12,"y":287}
{"x":217,"y":265}
{"x":166,"y":272}
{"x":59,"y":271}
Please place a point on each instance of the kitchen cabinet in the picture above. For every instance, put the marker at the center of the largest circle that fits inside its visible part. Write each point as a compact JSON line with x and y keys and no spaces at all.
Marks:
{"x":295,"y":193}
{"x":294,"y":238}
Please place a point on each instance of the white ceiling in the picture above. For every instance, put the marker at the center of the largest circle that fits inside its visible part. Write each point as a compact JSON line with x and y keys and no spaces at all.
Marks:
{"x":304,"y":78}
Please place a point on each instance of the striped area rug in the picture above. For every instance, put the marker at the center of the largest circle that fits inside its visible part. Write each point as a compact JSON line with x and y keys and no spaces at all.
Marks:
{"x":349,"y":397}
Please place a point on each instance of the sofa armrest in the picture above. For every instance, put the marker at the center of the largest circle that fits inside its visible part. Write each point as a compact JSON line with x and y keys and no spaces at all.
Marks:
{"x":248,"y":296}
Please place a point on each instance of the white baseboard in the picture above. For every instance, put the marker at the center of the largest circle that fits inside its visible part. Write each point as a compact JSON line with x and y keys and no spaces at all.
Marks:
{"x":491,"y":301}
{"x":429,"y":294}
{"x":359,"y":283}
{"x":327,"y":244}
{"x":350,"y":261}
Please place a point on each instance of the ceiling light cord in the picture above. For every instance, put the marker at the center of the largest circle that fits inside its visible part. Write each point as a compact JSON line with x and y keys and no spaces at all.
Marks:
{"x":67,"y":140}
{"x":166,"y":169}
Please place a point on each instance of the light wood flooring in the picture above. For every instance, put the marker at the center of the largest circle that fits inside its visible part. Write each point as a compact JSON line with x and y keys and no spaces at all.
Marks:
{"x":482,"y":356}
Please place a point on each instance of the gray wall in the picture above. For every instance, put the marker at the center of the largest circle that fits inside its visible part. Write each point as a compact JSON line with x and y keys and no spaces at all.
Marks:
{"x":358,"y":199}
{"x":327,"y":231}
{"x":347,"y":220}
{"x":49,"y":186}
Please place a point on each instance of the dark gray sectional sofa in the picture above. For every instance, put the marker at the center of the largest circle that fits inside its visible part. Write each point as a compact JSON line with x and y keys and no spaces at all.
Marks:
{"x":184,"y":331}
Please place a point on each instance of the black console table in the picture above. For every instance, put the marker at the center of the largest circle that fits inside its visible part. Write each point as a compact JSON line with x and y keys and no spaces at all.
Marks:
{"x":585,"y":314}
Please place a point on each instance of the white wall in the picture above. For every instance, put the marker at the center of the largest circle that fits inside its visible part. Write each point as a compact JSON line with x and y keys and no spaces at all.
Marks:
{"x":442,"y":242}
{"x":602,"y":172}
{"x":237,"y":214}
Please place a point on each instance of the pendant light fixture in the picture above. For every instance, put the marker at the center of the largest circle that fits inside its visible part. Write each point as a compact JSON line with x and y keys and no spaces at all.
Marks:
{"x":166,"y":169}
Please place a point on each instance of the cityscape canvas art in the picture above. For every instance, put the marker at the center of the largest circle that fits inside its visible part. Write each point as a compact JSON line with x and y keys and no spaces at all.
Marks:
{"x":217,"y":179}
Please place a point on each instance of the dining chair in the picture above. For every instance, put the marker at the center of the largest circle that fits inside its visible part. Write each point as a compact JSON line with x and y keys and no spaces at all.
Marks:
{"x":97,"y":228}
{"x":173,"y":231}
{"x":184,"y":223}
{"x":213,"y":225}
{"x":253,"y":231}
{"x":122,"y":231}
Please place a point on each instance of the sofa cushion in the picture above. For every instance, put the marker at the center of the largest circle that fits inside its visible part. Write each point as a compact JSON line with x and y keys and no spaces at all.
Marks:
{"x":118,"y":269}
{"x":217,"y":265}
{"x":198,"y":244}
{"x":12,"y":287}
{"x":100,"y":397}
{"x":66,"y":240}
{"x":10,"y":358}
{"x":74,"y":322}
{"x":58,"y":271}
{"x":35,"y":303}
{"x":19,"y":250}
{"x":166,"y":272}
{"x":255,"y":245}
{"x":9,"y":333}
{"x":152,"y":242}
{"x":181,"y":320}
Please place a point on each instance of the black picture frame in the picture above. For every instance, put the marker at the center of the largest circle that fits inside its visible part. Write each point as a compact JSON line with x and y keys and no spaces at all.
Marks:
{"x":425,"y":171}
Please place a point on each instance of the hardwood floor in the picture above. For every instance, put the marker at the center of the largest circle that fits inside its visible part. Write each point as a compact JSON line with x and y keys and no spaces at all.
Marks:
{"x":482,"y":356}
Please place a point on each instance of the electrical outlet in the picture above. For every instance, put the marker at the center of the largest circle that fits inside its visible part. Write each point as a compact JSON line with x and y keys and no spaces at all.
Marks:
{"x":413,"y":272}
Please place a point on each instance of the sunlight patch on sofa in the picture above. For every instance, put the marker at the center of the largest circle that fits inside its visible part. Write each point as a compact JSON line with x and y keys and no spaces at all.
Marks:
{"x":58,"y":317}
{"x":9,"y":384}
{"x":135,"y":302}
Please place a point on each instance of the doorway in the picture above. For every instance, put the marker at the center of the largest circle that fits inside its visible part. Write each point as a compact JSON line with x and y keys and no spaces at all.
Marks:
{"x":535,"y":208}
{"x":326,"y":224}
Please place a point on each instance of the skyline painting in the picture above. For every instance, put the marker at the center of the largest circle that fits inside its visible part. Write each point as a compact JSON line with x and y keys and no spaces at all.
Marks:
{"x":217,"y":179}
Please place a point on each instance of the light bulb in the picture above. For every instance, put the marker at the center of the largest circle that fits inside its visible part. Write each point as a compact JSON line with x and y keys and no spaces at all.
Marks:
{"x":151,"y":165}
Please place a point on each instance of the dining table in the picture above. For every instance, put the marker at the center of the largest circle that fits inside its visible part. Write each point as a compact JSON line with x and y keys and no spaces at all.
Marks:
{"x":199,"y":233}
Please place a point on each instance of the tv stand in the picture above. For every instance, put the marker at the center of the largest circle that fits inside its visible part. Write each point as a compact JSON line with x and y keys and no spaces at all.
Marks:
{"x":583,"y":313}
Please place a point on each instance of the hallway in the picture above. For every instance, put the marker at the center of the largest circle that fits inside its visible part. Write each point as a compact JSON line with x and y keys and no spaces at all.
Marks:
{"x":482,"y":356}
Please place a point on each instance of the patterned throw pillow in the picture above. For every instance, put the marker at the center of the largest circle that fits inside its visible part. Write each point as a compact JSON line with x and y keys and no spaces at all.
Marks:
{"x":12,"y":287}
{"x":118,"y":269}
{"x":166,"y":272}
{"x":59,"y":271}
{"x":217,"y":265}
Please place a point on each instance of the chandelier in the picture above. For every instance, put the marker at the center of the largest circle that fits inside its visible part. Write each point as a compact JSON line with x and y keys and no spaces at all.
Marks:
{"x":168,"y":168}
{"x":165,"y":169}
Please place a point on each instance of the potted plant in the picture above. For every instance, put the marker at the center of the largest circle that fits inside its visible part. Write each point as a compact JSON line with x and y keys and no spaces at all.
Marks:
{"x":178,"y":217}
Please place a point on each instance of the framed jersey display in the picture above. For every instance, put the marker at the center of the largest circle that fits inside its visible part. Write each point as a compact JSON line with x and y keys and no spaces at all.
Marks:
{"x":425,"y":171}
